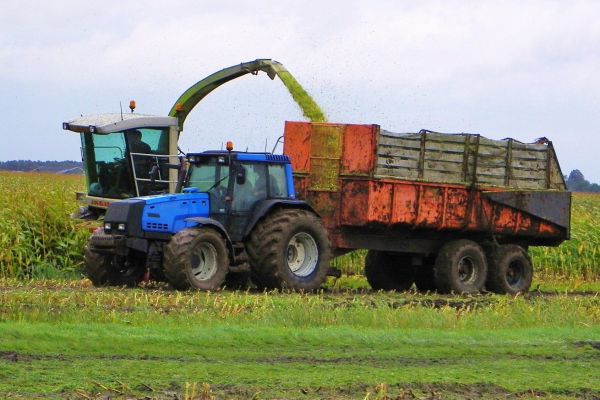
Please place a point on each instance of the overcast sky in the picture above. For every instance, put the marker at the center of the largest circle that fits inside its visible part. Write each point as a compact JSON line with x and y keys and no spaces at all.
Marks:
{"x":521,"y":69}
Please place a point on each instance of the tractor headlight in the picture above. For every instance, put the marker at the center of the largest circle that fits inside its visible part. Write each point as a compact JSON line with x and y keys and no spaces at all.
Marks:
{"x":107,"y":226}
{"x":121,"y":227}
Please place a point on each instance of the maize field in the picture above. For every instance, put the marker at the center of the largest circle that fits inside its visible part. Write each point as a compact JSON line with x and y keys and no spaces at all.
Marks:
{"x":39,"y":240}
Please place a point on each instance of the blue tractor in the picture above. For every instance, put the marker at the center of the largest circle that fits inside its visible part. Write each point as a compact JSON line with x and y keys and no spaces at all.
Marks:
{"x":237,"y":215}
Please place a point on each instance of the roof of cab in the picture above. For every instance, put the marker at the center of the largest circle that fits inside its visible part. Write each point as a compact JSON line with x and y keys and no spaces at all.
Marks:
{"x":108,"y":123}
{"x":244,"y":156}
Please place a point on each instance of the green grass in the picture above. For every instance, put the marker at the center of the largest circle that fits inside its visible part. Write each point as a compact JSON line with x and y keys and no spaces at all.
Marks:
{"x":64,"y":339}
{"x":61,"y":358}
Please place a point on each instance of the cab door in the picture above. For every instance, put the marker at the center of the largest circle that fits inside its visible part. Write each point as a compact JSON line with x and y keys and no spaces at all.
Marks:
{"x":249,"y":187}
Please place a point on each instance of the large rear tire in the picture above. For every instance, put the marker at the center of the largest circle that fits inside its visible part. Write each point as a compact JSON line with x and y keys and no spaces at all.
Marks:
{"x":196,"y":259}
{"x":389,"y":271}
{"x":460,"y":267}
{"x":289,"y":249}
{"x":109,"y":270}
{"x":510,"y":270}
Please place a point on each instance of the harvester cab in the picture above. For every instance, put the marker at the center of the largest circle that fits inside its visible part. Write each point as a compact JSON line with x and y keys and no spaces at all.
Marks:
{"x":128,"y":155}
{"x":125,"y":155}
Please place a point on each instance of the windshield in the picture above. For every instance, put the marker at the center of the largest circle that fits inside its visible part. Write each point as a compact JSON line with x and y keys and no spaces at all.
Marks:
{"x":107,"y":162}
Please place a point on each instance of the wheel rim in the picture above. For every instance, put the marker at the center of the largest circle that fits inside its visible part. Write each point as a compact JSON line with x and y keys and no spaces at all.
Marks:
{"x":204,"y":261}
{"x":514,"y":273}
{"x":302,"y":254}
{"x":467,"y":272}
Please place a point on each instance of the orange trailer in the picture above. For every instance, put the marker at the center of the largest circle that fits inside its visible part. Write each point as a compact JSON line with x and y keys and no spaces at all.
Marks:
{"x":452,"y":212}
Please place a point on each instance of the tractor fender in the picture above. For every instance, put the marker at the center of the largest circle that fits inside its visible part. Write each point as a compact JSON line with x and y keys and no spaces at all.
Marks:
{"x":208,"y":222}
{"x":264,"y":207}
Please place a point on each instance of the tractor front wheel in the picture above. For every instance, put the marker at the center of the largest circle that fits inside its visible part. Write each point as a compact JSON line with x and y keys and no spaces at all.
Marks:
{"x":111,"y":270}
{"x":196,"y":258}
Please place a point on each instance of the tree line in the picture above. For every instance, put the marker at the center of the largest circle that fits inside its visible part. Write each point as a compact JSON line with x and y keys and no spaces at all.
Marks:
{"x":576,"y":182}
{"x":64,"y":167}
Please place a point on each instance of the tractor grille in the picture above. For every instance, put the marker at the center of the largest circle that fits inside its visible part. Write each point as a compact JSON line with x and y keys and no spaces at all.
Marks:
{"x":102,"y":240}
{"x":157,"y":227}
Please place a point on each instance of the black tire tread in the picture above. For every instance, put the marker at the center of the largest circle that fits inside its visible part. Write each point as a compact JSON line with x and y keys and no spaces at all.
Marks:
{"x":444,"y":278}
{"x":96,"y":268}
{"x":176,"y":256}
{"x":264,"y":250}
{"x":99,"y":270}
{"x":496,"y":279}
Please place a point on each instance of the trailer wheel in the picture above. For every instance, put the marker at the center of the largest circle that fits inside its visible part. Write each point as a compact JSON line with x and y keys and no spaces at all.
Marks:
{"x":196,"y":259}
{"x":510,"y":270}
{"x":289,"y":249}
{"x":389,"y":271}
{"x":110,"y":270}
{"x":424,"y":278}
{"x":460,"y":267}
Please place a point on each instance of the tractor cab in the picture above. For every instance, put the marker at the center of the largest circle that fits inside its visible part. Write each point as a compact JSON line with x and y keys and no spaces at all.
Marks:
{"x":125,"y":155}
{"x":237,"y":183}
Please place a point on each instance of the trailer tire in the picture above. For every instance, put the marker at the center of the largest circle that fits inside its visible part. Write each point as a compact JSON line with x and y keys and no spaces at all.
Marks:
{"x":196,"y":259}
{"x":425,"y":279}
{"x":460,"y":267}
{"x":389,"y":271}
{"x":289,"y":249}
{"x":109,"y":270}
{"x":510,"y":270}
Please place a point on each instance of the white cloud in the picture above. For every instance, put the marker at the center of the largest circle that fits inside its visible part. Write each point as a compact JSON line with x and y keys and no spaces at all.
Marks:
{"x":491,"y":66}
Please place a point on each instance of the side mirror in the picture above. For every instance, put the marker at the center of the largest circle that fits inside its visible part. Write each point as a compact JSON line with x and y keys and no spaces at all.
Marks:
{"x":240,"y":176}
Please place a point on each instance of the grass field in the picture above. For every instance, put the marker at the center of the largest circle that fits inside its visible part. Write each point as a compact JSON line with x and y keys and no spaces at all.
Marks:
{"x":66,"y":339}
{"x":63,"y":338}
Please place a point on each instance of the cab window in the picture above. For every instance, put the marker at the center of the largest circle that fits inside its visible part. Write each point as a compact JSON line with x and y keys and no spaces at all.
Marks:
{"x":254,"y":188}
{"x":277,"y":181}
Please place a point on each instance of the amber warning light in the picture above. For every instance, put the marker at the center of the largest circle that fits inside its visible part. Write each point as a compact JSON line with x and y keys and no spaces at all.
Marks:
{"x":229,"y":146}
{"x":132,"y":105}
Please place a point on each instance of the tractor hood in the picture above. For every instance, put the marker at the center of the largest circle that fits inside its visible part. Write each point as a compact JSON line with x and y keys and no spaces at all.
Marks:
{"x":143,"y":216}
{"x":108,"y":123}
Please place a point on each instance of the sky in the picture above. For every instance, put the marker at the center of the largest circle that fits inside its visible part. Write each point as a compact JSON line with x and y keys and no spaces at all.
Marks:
{"x":521,"y":69}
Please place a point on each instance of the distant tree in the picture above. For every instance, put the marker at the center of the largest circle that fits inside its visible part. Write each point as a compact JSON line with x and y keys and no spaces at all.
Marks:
{"x":576,"y":182}
{"x":42,"y":166}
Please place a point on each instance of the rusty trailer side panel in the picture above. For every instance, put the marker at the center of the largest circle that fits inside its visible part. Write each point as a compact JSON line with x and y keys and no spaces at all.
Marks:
{"x":336,"y":169}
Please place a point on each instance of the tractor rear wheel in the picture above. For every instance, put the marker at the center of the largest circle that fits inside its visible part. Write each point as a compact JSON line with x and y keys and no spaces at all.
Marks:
{"x":111,"y":270}
{"x":460,"y":267}
{"x":197,"y":259}
{"x":389,"y":271}
{"x":510,"y":270}
{"x":289,"y":249}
